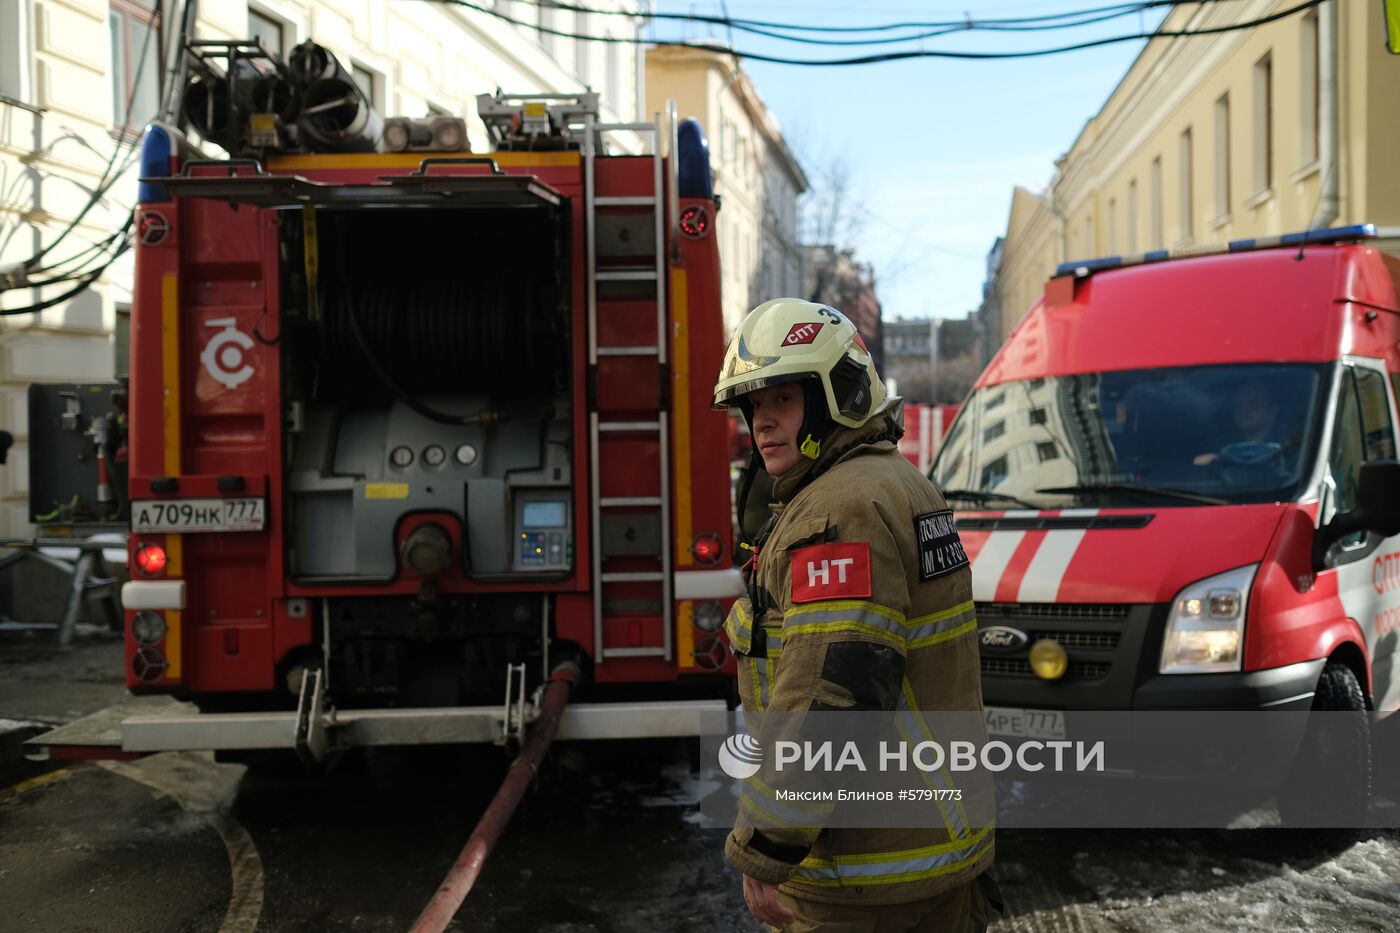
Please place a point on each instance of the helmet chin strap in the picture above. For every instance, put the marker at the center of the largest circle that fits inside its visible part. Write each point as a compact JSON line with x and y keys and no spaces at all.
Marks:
{"x":817,"y":423}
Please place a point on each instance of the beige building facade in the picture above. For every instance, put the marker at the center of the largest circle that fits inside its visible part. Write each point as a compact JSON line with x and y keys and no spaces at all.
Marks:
{"x":756,"y":175}
{"x":68,"y":68}
{"x":1250,"y":133}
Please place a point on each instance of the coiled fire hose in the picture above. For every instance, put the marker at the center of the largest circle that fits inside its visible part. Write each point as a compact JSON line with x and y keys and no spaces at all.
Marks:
{"x":464,"y":872}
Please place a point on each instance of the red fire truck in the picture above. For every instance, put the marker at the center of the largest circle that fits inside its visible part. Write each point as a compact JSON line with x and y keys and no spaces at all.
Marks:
{"x":408,"y":428}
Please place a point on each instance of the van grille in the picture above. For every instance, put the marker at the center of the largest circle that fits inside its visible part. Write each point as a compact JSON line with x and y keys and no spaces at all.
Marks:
{"x":1086,"y":612}
{"x":1105,"y":641}
{"x":1017,"y":667}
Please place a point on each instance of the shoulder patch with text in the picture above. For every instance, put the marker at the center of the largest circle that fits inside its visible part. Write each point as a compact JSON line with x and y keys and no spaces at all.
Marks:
{"x":940,"y":549}
{"x":831,"y":571}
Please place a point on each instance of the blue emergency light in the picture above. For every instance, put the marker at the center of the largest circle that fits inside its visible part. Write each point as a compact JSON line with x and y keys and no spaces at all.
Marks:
{"x":1085,"y":267}
{"x":156,"y":150}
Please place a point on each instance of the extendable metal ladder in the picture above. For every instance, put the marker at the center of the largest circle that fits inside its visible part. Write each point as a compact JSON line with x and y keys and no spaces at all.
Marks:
{"x":624,"y":429}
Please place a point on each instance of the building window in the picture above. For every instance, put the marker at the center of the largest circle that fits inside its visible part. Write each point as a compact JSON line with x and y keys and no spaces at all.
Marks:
{"x":1187,"y":192}
{"x":994,"y":473}
{"x":994,"y":432}
{"x":1222,"y":155}
{"x":1263,"y":124}
{"x":269,"y":30}
{"x":368,"y":83}
{"x":1308,"y":92}
{"x":614,"y":78}
{"x":583,"y":49}
{"x":1112,"y":232}
{"x":135,"y":33}
{"x":994,"y":402}
{"x":1158,"y":235}
{"x":544,"y":19}
{"x":1037,"y":416}
{"x":16,"y":48}
{"x":1132,"y":217}
{"x":1045,"y":450}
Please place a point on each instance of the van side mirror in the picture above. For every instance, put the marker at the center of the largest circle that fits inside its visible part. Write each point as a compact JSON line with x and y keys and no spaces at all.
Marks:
{"x":1377,"y":508}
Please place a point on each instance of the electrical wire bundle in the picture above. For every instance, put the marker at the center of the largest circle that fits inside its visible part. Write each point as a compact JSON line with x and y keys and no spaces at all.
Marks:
{"x":81,"y":269}
{"x":909,"y":32}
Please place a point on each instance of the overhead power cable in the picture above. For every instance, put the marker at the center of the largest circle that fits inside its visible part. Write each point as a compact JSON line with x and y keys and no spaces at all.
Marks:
{"x":108,"y":177}
{"x":1045,"y":21}
{"x":903,"y":55}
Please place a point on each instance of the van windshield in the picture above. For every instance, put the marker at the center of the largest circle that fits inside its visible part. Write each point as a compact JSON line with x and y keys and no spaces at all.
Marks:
{"x":1161,"y":437}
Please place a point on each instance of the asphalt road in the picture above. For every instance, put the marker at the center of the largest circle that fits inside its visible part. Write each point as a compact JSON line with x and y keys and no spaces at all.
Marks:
{"x":608,"y":842}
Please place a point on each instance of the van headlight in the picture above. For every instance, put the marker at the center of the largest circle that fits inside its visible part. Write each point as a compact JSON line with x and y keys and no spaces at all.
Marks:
{"x":1205,"y":631}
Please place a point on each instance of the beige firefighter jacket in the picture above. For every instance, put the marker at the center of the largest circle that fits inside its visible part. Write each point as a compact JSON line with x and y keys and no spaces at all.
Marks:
{"x":902,"y":638}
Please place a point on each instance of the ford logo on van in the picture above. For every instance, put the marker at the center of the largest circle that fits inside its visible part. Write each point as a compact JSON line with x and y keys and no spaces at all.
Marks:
{"x":1002,"y":639}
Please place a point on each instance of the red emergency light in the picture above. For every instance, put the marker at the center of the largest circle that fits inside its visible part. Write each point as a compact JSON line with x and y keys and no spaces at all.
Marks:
{"x":706,"y":548}
{"x":150,"y":559}
{"x":695,"y":222}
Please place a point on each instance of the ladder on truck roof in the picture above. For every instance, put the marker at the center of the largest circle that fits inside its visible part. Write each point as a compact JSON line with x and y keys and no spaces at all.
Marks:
{"x":615,"y":430}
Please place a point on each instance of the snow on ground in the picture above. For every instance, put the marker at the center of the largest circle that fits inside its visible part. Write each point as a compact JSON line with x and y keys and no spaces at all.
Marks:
{"x":1268,"y":880}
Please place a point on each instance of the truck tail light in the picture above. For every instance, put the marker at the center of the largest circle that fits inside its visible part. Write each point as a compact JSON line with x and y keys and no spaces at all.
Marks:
{"x":148,"y":665}
{"x":707,"y":548}
{"x":150,"y":559}
{"x":709,"y":616}
{"x":695,"y":222}
{"x":147,"y":628}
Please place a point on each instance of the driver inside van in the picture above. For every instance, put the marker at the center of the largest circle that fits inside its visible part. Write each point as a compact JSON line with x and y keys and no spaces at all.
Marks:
{"x":1256,"y":418}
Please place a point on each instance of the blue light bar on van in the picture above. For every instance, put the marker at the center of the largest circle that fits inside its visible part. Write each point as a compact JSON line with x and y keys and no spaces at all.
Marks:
{"x":1086,"y":267}
{"x":1330,"y":235}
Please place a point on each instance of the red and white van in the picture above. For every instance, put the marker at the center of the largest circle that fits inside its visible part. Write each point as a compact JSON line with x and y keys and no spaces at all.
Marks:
{"x":1177,"y":478}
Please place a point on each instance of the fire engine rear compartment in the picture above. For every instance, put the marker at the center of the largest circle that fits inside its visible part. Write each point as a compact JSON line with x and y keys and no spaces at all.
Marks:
{"x":428,"y":445}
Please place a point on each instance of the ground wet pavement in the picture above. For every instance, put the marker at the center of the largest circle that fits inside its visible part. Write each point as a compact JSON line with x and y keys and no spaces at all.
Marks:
{"x":609,"y":841}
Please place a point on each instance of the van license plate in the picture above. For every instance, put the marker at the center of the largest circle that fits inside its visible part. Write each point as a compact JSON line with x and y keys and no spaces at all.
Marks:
{"x":192,"y":515}
{"x":1026,"y":723}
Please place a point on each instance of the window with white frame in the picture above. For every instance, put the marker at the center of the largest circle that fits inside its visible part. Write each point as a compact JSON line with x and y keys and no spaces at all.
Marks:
{"x":1222,"y":155}
{"x":1132,"y":216}
{"x":1308,"y":92}
{"x":369,"y":82}
{"x":614,"y":60}
{"x":269,"y":30}
{"x":583,"y":48}
{"x":544,"y":21}
{"x":1158,"y":233}
{"x":1264,"y":124}
{"x":1186,"y":192}
{"x":134,"y":27}
{"x":15,"y":51}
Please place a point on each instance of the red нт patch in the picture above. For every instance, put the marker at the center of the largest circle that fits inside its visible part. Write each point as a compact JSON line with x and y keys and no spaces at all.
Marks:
{"x":802,"y":333}
{"x":831,"y":571}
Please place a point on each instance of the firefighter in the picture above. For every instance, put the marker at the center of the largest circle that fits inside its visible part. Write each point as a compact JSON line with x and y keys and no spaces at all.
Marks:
{"x":895,"y":631}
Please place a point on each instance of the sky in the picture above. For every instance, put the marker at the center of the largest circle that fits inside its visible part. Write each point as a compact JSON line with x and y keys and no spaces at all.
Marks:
{"x":933,"y":147}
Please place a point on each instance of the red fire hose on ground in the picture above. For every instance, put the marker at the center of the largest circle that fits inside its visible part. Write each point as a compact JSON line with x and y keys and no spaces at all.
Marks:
{"x":463,"y":874}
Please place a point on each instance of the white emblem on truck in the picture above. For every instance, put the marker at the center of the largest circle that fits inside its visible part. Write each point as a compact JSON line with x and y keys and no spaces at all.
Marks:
{"x":225,"y":351}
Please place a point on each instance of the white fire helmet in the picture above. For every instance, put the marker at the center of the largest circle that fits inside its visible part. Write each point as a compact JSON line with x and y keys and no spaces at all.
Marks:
{"x":788,"y":339}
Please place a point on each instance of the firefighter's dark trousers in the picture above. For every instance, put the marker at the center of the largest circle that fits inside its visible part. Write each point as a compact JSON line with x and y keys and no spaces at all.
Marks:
{"x":961,"y":910}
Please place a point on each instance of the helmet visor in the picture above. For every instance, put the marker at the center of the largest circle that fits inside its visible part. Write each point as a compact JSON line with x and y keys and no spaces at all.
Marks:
{"x":732,"y":394}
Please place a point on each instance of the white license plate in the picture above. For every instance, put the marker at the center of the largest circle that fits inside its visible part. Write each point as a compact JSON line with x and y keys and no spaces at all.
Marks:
{"x":181,"y":515}
{"x":1025,"y":723}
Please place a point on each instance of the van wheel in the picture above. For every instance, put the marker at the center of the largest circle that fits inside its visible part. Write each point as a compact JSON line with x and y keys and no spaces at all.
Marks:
{"x":1331,"y":780}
